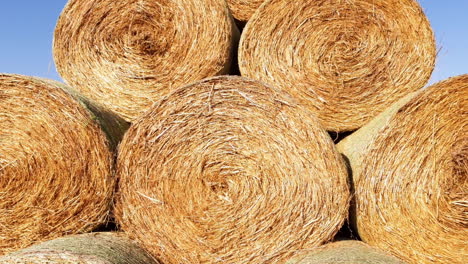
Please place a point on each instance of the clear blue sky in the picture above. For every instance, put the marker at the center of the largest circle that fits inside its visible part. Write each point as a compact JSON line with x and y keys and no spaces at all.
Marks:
{"x":27,"y":26}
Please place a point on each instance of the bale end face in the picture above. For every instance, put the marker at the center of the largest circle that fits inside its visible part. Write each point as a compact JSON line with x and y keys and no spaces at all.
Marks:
{"x":126,"y":55}
{"x":344,"y":60}
{"x":55,"y":164}
{"x":411,"y":175}
{"x":94,"y":248}
{"x":344,"y":252}
{"x":228,"y":170}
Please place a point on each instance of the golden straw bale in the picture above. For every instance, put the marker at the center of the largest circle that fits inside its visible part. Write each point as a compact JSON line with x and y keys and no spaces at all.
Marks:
{"x":344,"y":252}
{"x":229,"y":170}
{"x":345,"y":60}
{"x":242,"y":10}
{"x":94,"y":248}
{"x":56,"y":162}
{"x":127,"y":54}
{"x":410,"y":174}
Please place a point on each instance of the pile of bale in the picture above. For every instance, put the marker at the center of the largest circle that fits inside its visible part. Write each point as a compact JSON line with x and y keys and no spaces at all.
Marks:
{"x":199,"y":131}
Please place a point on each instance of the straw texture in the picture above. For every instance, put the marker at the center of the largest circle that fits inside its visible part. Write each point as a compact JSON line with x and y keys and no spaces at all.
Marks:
{"x":345,"y":252}
{"x":228,"y":170}
{"x":345,"y":60}
{"x":55,"y":162}
{"x":410,"y":175}
{"x":242,"y":10}
{"x":95,"y":248}
{"x":127,"y":54}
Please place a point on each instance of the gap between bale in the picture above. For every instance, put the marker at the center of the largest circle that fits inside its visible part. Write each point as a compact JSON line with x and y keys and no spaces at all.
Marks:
{"x":242,"y":10}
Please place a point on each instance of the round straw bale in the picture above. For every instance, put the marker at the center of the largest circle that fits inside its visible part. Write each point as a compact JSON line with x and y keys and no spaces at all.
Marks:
{"x":410,"y":173}
{"x":242,"y":10}
{"x":94,"y":248}
{"x":228,"y":170}
{"x":127,"y":54}
{"x":55,"y":162}
{"x":346,"y":251}
{"x":345,"y":60}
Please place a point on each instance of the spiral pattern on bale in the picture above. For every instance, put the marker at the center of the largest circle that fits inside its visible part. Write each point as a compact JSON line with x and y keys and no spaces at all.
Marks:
{"x":242,"y":10}
{"x":55,"y":162}
{"x":411,"y":178}
{"x":345,"y":60}
{"x":127,"y":54}
{"x":93,"y":248}
{"x":345,"y":252}
{"x":229,"y":170}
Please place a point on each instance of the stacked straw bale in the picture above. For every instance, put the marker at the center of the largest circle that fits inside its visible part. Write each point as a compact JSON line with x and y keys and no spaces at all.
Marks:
{"x":127,"y":54}
{"x":94,"y":248}
{"x":345,"y":60}
{"x":344,"y":252}
{"x":242,"y":10}
{"x":228,"y":170}
{"x":410,"y":174}
{"x":55,"y":162}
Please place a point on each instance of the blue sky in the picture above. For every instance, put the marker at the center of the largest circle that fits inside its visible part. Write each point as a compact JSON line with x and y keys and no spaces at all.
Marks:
{"x":27,"y":26}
